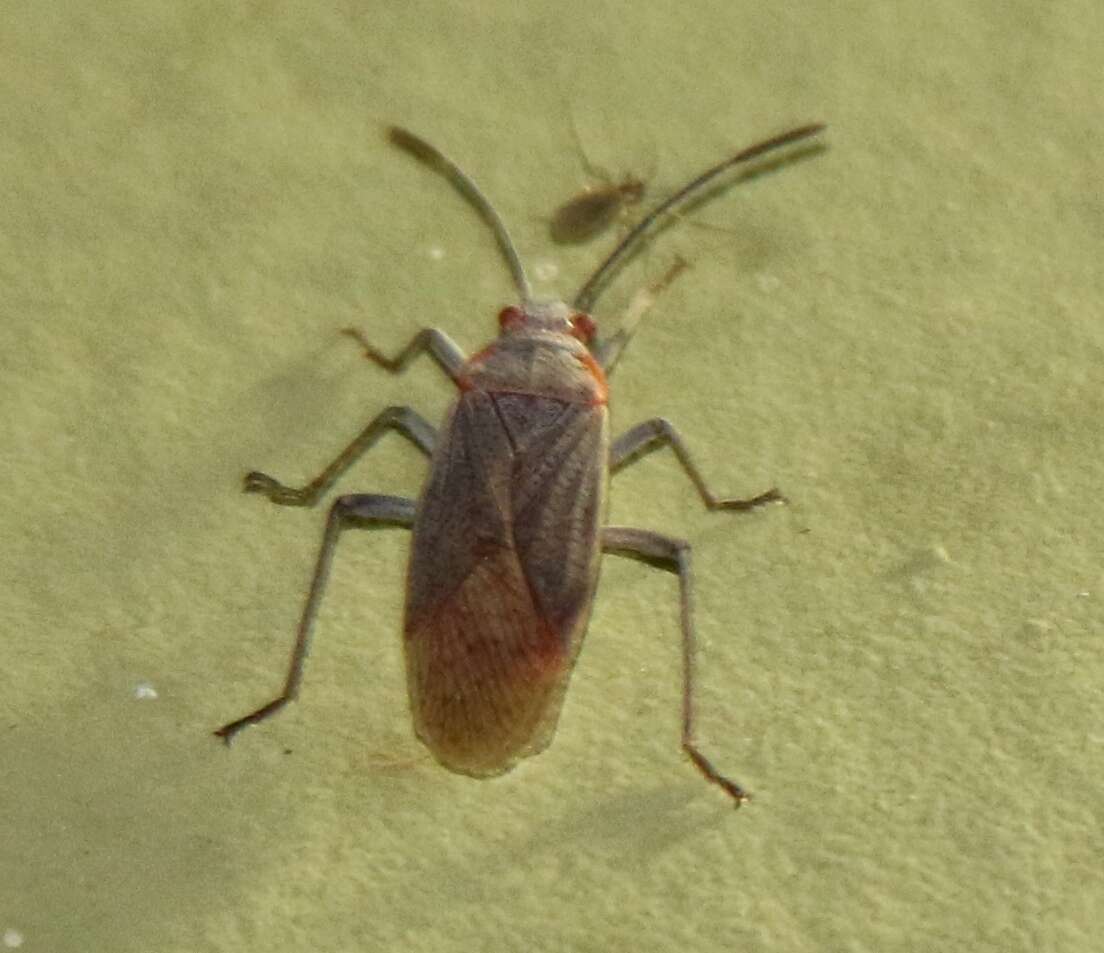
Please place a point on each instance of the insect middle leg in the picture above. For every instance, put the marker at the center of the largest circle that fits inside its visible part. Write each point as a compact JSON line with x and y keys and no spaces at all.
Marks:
{"x":406,"y":421}
{"x":360,"y":509}
{"x":674,"y":556}
{"x":653,"y":434}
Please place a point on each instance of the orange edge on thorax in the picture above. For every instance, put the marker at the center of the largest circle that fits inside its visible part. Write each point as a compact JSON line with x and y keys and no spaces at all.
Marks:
{"x":464,"y":382}
{"x":599,"y":375}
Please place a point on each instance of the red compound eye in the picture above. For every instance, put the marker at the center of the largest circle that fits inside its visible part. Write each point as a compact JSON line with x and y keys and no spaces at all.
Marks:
{"x":583,"y":327}
{"x":511,"y":318}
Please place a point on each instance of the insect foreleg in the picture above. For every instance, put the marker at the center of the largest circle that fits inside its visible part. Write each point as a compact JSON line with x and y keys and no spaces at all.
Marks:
{"x":608,"y":352}
{"x":441,"y":347}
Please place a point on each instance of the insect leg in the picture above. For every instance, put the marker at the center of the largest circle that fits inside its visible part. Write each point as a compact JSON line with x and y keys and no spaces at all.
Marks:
{"x":361,"y":509}
{"x":674,"y":556}
{"x":654,"y":433}
{"x":441,"y":347}
{"x":403,"y":419}
{"x":593,"y":170}
{"x":608,"y":352}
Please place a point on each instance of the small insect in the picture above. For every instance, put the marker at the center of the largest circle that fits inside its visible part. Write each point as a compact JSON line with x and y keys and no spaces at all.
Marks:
{"x":507,"y":532}
{"x":594,"y":209}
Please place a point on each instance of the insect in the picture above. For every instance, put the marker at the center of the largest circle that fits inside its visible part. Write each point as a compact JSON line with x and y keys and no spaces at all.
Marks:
{"x":594,"y":209}
{"x":507,"y":532}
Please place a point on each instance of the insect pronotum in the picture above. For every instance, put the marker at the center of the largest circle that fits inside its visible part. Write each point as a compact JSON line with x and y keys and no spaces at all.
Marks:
{"x":507,"y":532}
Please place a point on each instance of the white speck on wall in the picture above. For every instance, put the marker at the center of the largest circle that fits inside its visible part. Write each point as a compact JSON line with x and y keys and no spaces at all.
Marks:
{"x":767,"y":283}
{"x":546,"y":270}
{"x":13,"y":939}
{"x":144,"y":691}
{"x":436,"y":253}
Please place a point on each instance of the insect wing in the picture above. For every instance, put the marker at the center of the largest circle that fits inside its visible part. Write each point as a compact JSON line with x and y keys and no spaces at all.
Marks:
{"x":503,"y":567}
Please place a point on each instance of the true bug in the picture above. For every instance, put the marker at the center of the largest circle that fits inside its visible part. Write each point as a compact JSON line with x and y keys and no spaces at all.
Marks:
{"x":507,"y":532}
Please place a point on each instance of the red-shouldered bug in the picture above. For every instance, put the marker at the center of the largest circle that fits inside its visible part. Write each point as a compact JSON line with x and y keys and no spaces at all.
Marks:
{"x":507,"y":533}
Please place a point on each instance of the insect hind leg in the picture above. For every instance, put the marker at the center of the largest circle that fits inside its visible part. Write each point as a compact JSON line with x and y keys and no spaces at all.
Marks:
{"x":672,"y":554}
{"x":360,"y":509}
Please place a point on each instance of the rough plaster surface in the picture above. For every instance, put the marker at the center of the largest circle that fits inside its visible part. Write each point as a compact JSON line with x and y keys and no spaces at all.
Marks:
{"x":905,"y":334}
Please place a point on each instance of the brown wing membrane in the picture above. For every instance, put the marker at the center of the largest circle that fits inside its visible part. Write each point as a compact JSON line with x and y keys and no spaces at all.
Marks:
{"x":503,"y":564}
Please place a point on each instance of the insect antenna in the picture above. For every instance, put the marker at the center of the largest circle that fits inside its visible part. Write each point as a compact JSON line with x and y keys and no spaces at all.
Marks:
{"x":430,"y":155}
{"x":595,"y":284}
